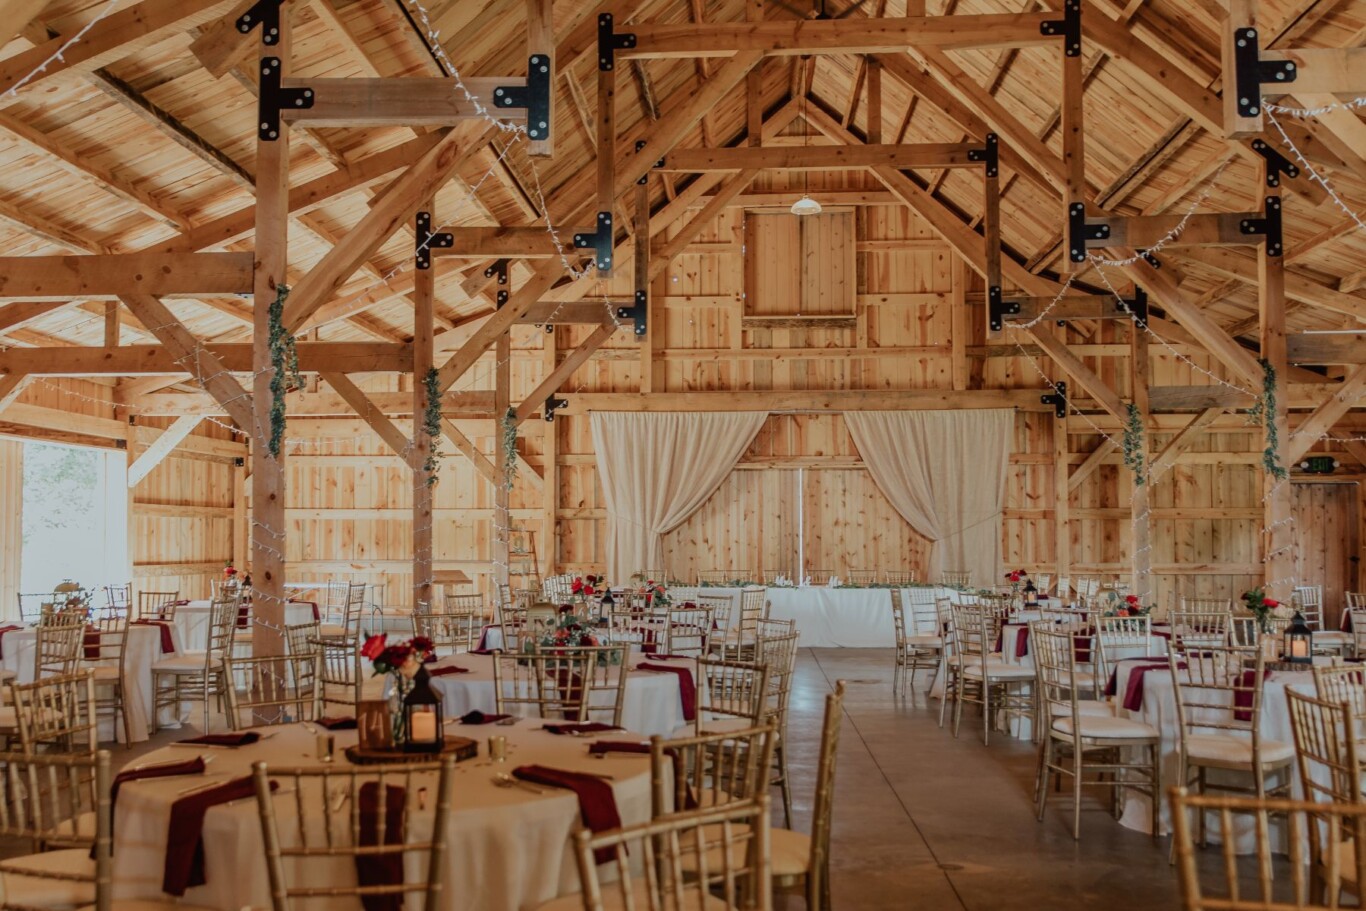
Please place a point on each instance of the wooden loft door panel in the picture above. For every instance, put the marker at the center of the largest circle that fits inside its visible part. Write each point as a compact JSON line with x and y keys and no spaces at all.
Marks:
{"x":1326,"y":537}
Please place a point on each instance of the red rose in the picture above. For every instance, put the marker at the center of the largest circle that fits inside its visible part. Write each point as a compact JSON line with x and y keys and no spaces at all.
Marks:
{"x":1132,"y":599}
{"x":395,"y":655}
{"x":1123,"y":612}
{"x":424,"y":647}
{"x":373,"y":647}
{"x":577,"y":587}
{"x":589,"y":591}
{"x":590,"y":640}
{"x":1267,"y":602}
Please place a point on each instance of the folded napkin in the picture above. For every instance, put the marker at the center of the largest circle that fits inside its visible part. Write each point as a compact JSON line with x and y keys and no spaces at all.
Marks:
{"x":478,"y":717}
{"x":448,"y":669}
{"x":1242,"y":695}
{"x":337,"y":724}
{"x":91,"y":642}
{"x":602,"y":747}
{"x":1133,"y":692}
{"x":167,"y":639}
{"x":1081,"y":645}
{"x":687,"y":689}
{"x":184,"y":867}
{"x":242,"y":614}
{"x":581,"y":727}
{"x":235,"y":739}
{"x":193,"y":766}
{"x":597,"y":803}
{"x":381,"y":869}
{"x":7,"y":629}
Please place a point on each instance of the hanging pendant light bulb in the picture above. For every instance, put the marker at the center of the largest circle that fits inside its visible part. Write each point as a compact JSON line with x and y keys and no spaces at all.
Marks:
{"x":806,"y":205}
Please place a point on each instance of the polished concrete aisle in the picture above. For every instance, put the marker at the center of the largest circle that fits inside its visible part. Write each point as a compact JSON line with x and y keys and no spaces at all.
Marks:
{"x":924,"y":822}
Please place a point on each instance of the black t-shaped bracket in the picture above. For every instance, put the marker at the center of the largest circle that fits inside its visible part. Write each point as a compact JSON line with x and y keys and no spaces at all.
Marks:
{"x":552,"y":405}
{"x":1269,"y":226}
{"x":600,"y":242}
{"x":534,"y":96}
{"x":609,"y":42}
{"x":425,"y":240}
{"x":1058,"y":399}
{"x":274,"y":99}
{"x":988,"y":154}
{"x":1069,"y":27}
{"x":1251,"y":72}
{"x":637,"y":313}
{"x":265,"y":13}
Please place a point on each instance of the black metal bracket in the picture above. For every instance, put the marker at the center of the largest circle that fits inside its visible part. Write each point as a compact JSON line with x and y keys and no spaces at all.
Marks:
{"x":534,"y":96}
{"x":1268,"y":226}
{"x":1058,"y":399}
{"x":552,"y":405}
{"x":1079,"y":232}
{"x":640,"y":144}
{"x":425,"y":240}
{"x":265,"y":13}
{"x":1150,"y":258}
{"x":500,"y":269}
{"x":600,"y":242}
{"x":998,"y":309}
{"x":274,"y":99}
{"x":1251,"y":72}
{"x":1069,"y":27}
{"x":1136,"y":306}
{"x":637,"y":312}
{"x":609,"y":42}
{"x":239,"y":462}
{"x":988,"y":154}
{"x":1276,"y":163}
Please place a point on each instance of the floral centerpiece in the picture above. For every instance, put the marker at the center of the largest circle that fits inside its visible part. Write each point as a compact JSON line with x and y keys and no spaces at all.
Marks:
{"x":1015,"y":577}
{"x":404,"y":662}
{"x":569,"y":631}
{"x":1264,"y":608}
{"x":1128,"y":606}
{"x":588,"y":586}
{"x":656,"y":594}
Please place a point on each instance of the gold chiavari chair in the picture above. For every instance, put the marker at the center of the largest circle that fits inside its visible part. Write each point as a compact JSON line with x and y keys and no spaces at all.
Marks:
{"x":955,"y":578}
{"x":1219,"y":715}
{"x":901,"y":577}
{"x":722,"y":609}
{"x":688,"y":631}
{"x":544,"y":682}
{"x":943,"y":613}
{"x":1308,"y":600}
{"x":470,"y":611}
{"x":709,"y":769}
{"x":109,"y":664}
{"x":1224,"y":881}
{"x":1356,"y":613}
{"x":919,"y":637}
{"x":514,"y":624}
{"x":606,"y":688}
{"x":375,"y":815}
{"x":157,"y":605}
{"x":59,"y":647}
{"x":1084,"y":736}
{"x":195,"y":674}
{"x":118,"y":599}
{"x":56,"y":714}
{"x":710,"y":858}
{"x":1343,"y":684}
{"x":1197,"y":627}
{"x":1121,"y":637}
{"x":860,"y":577}
{"x":348,"y":630}
{"x":984,"y":678}
{"x":1042,"y":581}
{"x":1327,"y":751}
{"x":730,"y":695}
{"x":34,"y":605}
{"x":267,"y":688}
{"x":777,"y":651}
{"x":452,"y":630}
{"x":715,"y":577}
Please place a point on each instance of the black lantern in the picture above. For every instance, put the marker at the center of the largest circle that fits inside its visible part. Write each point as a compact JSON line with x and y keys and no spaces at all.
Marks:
{"x":1299,"y":641}
{"x":1031,"y":594}
{"x":605,"y":606}
{"x":422,"y":711}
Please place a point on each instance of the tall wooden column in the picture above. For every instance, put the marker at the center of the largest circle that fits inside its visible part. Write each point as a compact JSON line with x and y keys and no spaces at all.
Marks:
{"x":1062,"y":531}
{"x":502,"y":494}
{"x":550,"y":489}
{"x":1141,"y":555}
{"x":1073,"y":142}
{"x":268,"y":472}
{"x":424,"y":492}
{"x":1278,"y":538}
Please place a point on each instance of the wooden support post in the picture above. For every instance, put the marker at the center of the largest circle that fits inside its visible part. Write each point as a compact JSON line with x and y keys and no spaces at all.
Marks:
{"x":502,"y":492}
{"x":424,"y":488}
{"x":607,"y":139}
{"x":540,"y":42}
{"x":962,"y":322}
{"x":268,"y":471}
{"x":241,"y":534}
{"x":653,"y":328}
{"x":1062,"y":494}
{"x":1278,"y":535}
{"x":1141,"y":554}
{"x":111,"y":324}
{"x":1073,"y":142}
{"x":550,"y":471}
{"x":874,"y":86}
{"x":1241,"y":14}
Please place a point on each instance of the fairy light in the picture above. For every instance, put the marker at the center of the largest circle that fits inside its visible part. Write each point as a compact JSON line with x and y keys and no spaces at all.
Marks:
{"x":58,"y":54}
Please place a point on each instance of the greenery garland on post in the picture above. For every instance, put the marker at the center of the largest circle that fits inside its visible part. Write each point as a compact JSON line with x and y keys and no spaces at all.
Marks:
{"x":1133,"y":445}
{"x":432,"y":423}
{"x":284,"y":362}
{"x":509,"y":423}
{"x":1264,"y":410}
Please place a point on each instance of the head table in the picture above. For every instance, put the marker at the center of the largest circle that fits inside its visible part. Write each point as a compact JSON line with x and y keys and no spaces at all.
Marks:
{"x":508,"y":848}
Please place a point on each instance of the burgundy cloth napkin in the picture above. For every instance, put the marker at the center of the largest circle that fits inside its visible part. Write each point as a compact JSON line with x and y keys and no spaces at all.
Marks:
{"x":7,"y":629}
{"x":91,"y":642}
{"x":184,"y":867}
{"x":337,"y":724}
{"x":235,"y":739}
{"x":1133,"y":692}
{"x":381,"y":869}
{"x":167,"y":640}
{"x":687,"y":688}
{"x":602,"y":747}
{"x":478,"y":717}
{"x":193,"y":766}
{"x":1022,"y":644}
{"x":1346,"y":624}
{"x":581,"y":727}
{"x":242,"y":613}
{"x":1081,"y":645}
{"x":1242,"y":696}
{"x":597,"y":803}
{"x":448,"y":669}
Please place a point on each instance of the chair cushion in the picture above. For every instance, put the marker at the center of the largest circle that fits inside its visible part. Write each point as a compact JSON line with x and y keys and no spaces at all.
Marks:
{"x":999,"y":670}
{"x":1227,"y":749}
{"x":182,"y":663}
{"x":105,"y":673}
{"x":790,"y":851}
{"x":1085,"y":707}
{"x":332,"y":630}
{"x":36,"y":891}
{"x":1107,"y":727}
{"x":925,"y":641}
{"x":82,"y":826}
{"x":6,"y":674}
{"x":611,"y":899}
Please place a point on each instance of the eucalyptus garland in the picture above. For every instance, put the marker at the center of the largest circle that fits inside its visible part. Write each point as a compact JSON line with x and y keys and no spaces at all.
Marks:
{"x":509,"y":423}
{"x":284,"y":362}
{"x":1133,"y":445}
{"x":1264,"y":410}
{"x":432,"y":423}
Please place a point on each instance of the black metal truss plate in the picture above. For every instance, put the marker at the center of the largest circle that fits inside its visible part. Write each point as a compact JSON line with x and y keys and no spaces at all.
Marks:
{"x":1069,"y":27}
{"x":1136,"y":306}
{"x":534,"y":96}
{"x":600,"y":242}
{"x":609,"y":42}
{"x":1251,"y":72}
{"x":1276,"y":163}
{"x":1058,"y":399}
{"x":552,"y":405}
{"x":998,"y":309}
{"x":989,"y":154}
{"x":1079,"y":232}
{"x":265,"y":13}
{"x":1268,"y":226}
{"x":273,"y":99}
{"x":499,"y":268}
{"x":425,"y":240}
{"x":637,"y":313}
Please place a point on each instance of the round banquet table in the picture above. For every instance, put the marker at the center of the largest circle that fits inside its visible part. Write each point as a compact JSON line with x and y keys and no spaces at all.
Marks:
{"x":652,"y":704}
{"x":507,"y":848}
{"x":192,"y":621}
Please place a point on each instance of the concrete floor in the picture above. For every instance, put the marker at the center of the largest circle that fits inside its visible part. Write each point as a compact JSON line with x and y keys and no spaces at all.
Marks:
{"x":927,"y":822}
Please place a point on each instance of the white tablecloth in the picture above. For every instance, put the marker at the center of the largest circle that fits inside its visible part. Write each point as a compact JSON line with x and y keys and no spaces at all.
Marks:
{"x":144,"y":648}
{"x":834,"y":617}
{"x":192,"y":621}
{"x":507,"y":848}
{"x":652,"y":704}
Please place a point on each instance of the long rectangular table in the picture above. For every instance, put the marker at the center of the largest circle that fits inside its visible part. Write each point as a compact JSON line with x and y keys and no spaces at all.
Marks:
{"x":835,"y":617}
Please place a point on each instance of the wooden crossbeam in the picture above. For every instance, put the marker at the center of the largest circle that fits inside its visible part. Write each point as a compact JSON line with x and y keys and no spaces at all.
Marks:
{"x":1327,"y":348}
{"x":1202,"y":230}
{"x":867,"y":400}
{"x":1306,"y":436}
{"x":110,"y":275}
{"x":563,"y":371}
{"x":1093,"y":461}
{"x":821,"y":158}
{"x":463,"y":405}
{"x":837,"y":36}
{"x":498,"y":242}
{"x":396,"y":101}
{"x":163,"y":446}
{"x":466,"y":447}
{"x":11,"y":387}
{"x":386,"y":429}
{"x":1084,"y":376}
{"x":1182,"y":441}
{"x":146,"y":360}
{"x":1066,"y":308}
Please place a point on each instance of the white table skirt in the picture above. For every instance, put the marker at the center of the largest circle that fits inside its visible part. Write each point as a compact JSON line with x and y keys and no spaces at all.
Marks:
{"x":192,"y":621}
{"x":652,"y":704}
{"x":835,"y":617}
{"x":507,"y":848}
{"x":144,"y":649}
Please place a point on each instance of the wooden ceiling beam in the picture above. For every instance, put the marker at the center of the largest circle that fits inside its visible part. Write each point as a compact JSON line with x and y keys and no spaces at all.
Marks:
{"x":813,"y":401}
{"x":371,"y":415}
{"x":563,"y":371}
{"x":146,"y":360}
{"x":110,"y":275}
{"x":1232,"y":264}
{"x":1344,"y":398}
{"x":821,"y":158}
{"x":12,"y":386}
{"x":463,"y":405}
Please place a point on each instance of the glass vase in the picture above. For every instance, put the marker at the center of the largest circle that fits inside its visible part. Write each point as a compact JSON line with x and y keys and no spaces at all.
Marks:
{"x":398,"y":719}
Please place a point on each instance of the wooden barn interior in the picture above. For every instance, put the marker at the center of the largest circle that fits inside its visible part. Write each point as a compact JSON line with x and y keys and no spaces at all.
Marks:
{"x":340,"y":289}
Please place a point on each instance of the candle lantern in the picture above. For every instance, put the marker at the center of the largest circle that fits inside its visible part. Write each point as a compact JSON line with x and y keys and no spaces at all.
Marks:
{"x":1299,"y":641}
{"x":606,"y":606}
{"x":422,"y":710}
{"x":1031,"y":594}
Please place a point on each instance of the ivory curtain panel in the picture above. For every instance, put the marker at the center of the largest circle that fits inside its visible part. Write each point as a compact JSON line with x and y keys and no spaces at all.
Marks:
{"x":945,"y":473}
{"x":658,"y":468}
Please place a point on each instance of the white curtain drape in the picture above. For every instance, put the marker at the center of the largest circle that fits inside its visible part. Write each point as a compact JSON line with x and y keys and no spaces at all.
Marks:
{"x":945,"y":473}
{"x":656,"y":470}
